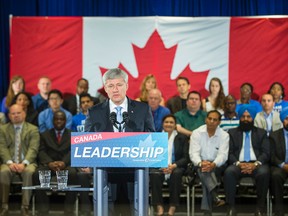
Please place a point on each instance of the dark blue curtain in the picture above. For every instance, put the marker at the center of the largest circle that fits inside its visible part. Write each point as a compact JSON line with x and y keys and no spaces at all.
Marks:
{"x":124,"y":8}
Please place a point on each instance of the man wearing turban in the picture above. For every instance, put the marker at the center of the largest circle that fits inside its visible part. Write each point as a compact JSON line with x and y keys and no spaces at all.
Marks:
{"x":279,"y":162}
{"x":249,"y":154}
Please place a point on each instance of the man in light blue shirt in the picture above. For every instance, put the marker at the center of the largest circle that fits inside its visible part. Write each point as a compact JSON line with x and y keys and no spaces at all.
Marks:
{"x":45,"y":119}
{"x":268,"y":119}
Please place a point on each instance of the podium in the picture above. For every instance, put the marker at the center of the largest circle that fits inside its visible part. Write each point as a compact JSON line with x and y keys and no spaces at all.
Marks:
{"x":101,"y":150}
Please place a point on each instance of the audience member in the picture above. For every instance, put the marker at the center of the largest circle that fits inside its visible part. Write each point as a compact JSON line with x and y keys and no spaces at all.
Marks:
{"x":279,"y":162}
{"x":278,"y":92}
{"x":24,"y":99}
{"x":209,"y":146}
{"x":268,"y":119}
{"x":72,"y":104}
{"x":178,"y":159}
{"x":249,"y":154}
{"x":55,"y":154}
{"x":216,"y":98}
{"x":2,"y":118}
{"x":158,"y":111}
{"x":246,"y":91}
{"x":230,"y":118}
{"x":19,"y":143}
{"x":78,"y":121}
{"x":192,"y":116}
{"x":55,"y":100}
{"x":148,"y":83}
{"x":17,"y":84}
{"x":178,"y":102}
{"x":40,"y":100}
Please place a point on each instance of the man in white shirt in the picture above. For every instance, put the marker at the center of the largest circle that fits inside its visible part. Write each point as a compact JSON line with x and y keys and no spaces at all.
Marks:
{"x":209,"y":146}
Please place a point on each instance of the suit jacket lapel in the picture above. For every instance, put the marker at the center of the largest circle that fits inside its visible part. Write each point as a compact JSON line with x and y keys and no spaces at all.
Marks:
{"x":282,"y":143}
{"x":23,"y":135}
{"x":131,"y":110}
{"x":11,"y":133}
{"x":254,"y":140}
{"x":105,"y":113}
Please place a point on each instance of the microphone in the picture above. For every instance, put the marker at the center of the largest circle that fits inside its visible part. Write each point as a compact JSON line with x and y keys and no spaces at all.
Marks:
{"x":125,"y":116}
{"x":113,"y":119}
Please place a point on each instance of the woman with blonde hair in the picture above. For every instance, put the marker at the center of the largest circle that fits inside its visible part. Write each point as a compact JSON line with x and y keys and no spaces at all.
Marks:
{"x":215,"y":101}
{"x":148,"y":83}
{"x":17,"y":84}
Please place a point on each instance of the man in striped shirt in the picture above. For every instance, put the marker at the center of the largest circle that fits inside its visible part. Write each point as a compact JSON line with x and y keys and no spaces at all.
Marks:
{"x":230,"y":117}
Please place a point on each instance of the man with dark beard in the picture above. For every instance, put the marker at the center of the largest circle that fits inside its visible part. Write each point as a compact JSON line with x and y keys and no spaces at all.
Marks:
{"x":279,"y":162}
{"x":249,"y":153}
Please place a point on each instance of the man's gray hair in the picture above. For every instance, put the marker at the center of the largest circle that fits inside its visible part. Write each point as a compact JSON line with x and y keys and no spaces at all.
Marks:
{"x":115,"y":73}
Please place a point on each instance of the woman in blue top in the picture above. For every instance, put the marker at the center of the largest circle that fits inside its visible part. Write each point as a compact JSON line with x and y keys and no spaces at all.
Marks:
{"x":278,"y":92}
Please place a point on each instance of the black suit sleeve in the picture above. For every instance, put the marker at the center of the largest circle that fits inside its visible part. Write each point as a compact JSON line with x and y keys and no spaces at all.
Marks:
{"x":277,"y":147}
{"x":181,"y":146}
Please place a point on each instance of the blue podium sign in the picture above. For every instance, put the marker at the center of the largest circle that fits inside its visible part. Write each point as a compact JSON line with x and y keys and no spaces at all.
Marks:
{"x":109,"y":149}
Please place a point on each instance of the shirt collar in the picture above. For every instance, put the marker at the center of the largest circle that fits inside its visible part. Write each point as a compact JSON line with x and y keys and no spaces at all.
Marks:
{"x":124,"y":105}
{"x":285,"y":132}
{"x":268,"y":115}
{"x":18,"y":125}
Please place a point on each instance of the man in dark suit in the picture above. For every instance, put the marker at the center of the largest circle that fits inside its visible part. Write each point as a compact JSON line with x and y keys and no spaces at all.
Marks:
{"x":72,"y":102}
{"x":249,"y":154}
{"x":140,"y":120}
{"x":17,"y":157}
{"x":55,"y":154}
{"x":279,"y":162}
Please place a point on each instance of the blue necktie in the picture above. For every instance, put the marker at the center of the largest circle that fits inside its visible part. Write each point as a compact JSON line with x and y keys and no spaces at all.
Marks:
{"x":119,"y":117}
{"x":247,"y":147}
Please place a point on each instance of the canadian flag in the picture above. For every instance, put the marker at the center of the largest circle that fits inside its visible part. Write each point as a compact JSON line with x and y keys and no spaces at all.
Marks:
{"x":236,"y":50}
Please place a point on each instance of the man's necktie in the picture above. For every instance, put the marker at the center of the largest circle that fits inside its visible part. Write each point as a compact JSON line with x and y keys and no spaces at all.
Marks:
{"x":119,"y":117}
{"x":247,"y":147}
{"x":59,"y":136}
{"x":269,"y":125}
{"x":17,"y":145}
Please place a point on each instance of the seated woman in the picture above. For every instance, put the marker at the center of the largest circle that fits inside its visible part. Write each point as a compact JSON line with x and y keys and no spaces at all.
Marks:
{"x":17,"y":84}
{"x":24,"y":99}
{"x":278,"y":92}
{"x":216,"y":98}
{"x":148,"y":83}
{"x":178,"y":158}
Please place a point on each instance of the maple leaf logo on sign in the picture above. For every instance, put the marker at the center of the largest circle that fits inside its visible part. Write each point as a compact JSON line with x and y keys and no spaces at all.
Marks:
{"x":154,"y":58}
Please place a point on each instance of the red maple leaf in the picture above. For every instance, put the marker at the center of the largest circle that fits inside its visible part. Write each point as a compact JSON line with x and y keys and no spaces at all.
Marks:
{"x":154,"y":58}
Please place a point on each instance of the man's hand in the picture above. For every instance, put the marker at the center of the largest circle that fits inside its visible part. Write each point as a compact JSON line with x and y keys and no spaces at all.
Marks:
{"x":285,"y":168}
{"x":247,"y":168}
{"x":17,"y":168}
{"x":207,"y":166}
{"x":56,"y":165}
